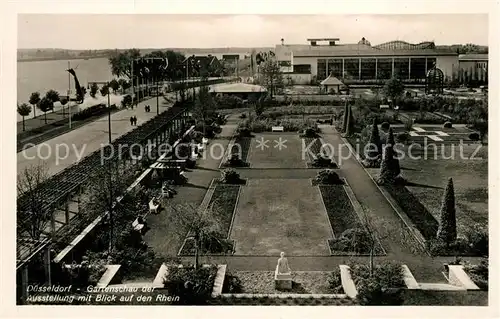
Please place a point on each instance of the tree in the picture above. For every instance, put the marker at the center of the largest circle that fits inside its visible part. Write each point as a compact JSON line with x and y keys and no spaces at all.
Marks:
{"x":349,"y":129}
{"x":104,"y":90}
{"x":346,"y":115}
{"x":24,"y":110}
{"x":93,"y":89}
{"x":393,"y":89}
{"x":447,"y":231}
{"x":387,"y":173}
{"x":34,"y":100}
{"x":478,"y":117}
{"x":106,"y":184}
{"x":272,"y":77}
{"x":395,"y":161}
{"x":113,"y":84}
{"x":200,"y":225}
{"x":63,"y":102}
{"x":124,"y":84}
{"x":375,"y":149}
{"x":204,"y":106}
{"x":52,"y":95}
{"x":46,"y":105}
{"x":34,"y":215}
{"x":121,"y":63}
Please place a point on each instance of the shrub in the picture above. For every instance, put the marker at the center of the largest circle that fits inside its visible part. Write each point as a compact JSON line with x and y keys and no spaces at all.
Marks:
{"x":322,"y":160}
{"x":447,"y":125}
{"x":230,"y":176}
{"x":479,"y":273}
{"x":232,"y":284}
{"x":243,"y":116}
{"x":327,"y":177}
{"x":356,"y":240}
{"x":382,"y":287}
{"x":477,"y":239}
{"x":474,"y":136}
{"x":385,"y":126}
{"x":403,"y":137}
{"x":438,"y":247}
{"x":310,"y":132}
{"x":193,"y":286}
{"x":335,"y":281}
{"x":95,"y":110}
{"x":243,"y":131}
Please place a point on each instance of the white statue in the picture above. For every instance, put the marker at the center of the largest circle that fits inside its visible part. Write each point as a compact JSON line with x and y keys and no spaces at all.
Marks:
{"x":283,"y":267}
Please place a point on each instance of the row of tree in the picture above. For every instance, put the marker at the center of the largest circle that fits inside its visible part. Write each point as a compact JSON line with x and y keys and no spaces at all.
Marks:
{"x":44,"y":104}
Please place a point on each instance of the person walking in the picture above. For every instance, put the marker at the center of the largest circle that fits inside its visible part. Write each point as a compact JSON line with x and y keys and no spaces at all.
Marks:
{"x":135,"y":120}
{"x":131,"y":120}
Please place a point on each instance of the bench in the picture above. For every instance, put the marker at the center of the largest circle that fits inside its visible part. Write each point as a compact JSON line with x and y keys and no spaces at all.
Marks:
{"x":108,"y":275}
{"x":277,"y":129}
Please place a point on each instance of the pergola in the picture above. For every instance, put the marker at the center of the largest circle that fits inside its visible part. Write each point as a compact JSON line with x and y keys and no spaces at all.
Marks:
{"x":60,"y":188}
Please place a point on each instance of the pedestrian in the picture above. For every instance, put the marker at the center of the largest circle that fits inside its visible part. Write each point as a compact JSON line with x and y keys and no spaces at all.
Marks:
{"x":135,"y":120}
{"x":131,"y":120}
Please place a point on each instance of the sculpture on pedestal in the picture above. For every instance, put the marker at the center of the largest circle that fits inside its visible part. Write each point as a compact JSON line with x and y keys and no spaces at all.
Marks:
{"x":283,"y":274}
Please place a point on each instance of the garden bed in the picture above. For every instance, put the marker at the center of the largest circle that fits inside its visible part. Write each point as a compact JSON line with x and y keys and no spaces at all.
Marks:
{"x":224,"y":199}
{"x":244,"y":143}
{"x":343,"y":217}
{"x":262,"y":282}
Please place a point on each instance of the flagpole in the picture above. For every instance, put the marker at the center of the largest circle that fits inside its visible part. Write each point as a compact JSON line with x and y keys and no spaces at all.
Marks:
{"x":69,"y":92}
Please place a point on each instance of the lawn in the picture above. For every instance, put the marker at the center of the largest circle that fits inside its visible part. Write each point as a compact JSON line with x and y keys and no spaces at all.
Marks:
{"x":275,"y":215}
{"x":265,"y":151}
{"x":470,"y":180}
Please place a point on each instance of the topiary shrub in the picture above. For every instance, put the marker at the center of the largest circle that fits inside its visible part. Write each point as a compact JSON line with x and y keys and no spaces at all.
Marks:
{"x":243,"y":131}
{"x":323,"y":161}
{"x":447,"y":125}
{"x":474,"y":136}
{"x":230,"y":176}
{"x":403,"y":137}
{"x":327,"y":177}
{"x":385,"y":126}
{"x":310,"y":132}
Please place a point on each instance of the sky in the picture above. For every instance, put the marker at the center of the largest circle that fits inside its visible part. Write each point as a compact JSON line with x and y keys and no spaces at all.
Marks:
{"x":93,"y":31}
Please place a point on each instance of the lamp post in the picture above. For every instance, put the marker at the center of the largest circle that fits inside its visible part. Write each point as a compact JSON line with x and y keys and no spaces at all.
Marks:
{"x":109,"y":116}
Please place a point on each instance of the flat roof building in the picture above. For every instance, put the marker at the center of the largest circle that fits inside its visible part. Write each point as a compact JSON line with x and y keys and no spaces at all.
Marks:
{"x":362,"y":63}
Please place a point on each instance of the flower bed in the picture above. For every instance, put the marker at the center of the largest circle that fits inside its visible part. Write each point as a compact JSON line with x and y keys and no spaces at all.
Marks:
{"x":384,"y":286}
{"x":262,"y":282}
{"x":339,"y":209}
{"x":224,"y":201}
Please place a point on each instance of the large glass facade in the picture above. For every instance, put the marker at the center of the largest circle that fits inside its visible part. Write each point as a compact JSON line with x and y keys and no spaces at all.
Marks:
{"x":335,"y":67}
{"x":384,"y":68}
{"x":417,"y":68}
{"x":351,"y":69}
{"x":321,"y":70}
{"x":368,"y":69}
{"x":401,"y":68}
{"x":431,"y":62}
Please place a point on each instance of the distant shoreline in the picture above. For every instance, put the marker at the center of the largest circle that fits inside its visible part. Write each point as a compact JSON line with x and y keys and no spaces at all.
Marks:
{"x":62,"y":59}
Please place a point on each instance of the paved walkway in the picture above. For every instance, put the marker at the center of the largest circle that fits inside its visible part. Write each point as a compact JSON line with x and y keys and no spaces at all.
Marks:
{"x":163,"y":238}
{"x":64,"y":150}
{"x":388,"y":224}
